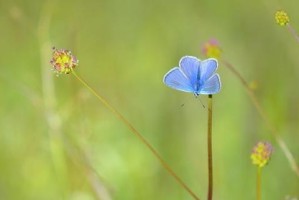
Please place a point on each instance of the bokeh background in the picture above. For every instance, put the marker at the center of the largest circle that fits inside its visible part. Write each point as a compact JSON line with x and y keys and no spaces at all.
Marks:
{"x":57,"y":141}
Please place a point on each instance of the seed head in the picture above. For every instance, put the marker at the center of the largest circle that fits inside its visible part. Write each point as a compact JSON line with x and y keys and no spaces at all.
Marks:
{"x":63,"y":61}
{"x":261,"y":153}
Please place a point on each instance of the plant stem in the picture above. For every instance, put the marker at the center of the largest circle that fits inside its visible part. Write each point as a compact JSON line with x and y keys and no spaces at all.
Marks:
{"x":293,"y":32}
{"x":138,"y":135}
{"x":271,"y":127}
{"x":210,"y":156}
{"x":258,"y":183}
{"x":53,"y":120}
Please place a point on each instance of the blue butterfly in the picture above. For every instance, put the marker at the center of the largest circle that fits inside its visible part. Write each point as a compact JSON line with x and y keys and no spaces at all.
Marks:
{"x":195,"y":76}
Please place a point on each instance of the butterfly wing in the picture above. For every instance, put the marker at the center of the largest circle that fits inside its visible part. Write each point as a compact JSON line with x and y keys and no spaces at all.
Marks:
{"x":176,"y":79}
{"x":212,"y":85}
{"x":190,"y":67}
{"x":207,"y":69}
{"x":194,"y":76}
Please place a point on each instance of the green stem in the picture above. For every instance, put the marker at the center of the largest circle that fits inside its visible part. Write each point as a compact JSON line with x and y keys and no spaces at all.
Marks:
{"x":139,"y":136}
{"x":262,"y":112}
{"x":210,"y":155}
{"x":258,"y":183}
{"x":53,"y":120}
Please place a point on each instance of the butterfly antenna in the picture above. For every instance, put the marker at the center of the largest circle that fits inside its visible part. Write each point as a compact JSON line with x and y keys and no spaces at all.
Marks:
{"x":200,"y":101}
{"x":183,"y":104}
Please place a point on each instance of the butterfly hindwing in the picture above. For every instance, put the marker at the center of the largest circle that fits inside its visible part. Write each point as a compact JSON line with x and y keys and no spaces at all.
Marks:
{"x":212,"y":85}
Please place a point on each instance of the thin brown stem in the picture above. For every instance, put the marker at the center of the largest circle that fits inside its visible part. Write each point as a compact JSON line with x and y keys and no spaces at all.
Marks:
{"x":264,"y":116}
{"x":210,"y":153}
{"x":138,"y":135}
{"x":293,"y":32}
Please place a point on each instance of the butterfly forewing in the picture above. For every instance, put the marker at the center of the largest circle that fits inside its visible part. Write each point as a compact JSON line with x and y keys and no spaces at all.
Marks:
{"x":176,"y":79}
{"x":190,"y":67}
{"x":207,"y":69}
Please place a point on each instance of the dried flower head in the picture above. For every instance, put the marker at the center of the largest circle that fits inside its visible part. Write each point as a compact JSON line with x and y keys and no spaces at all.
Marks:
{"x":261,"y":153}
{"x":282,"y":18}
{"x":63,"y":61}
{"x":211,"y":49}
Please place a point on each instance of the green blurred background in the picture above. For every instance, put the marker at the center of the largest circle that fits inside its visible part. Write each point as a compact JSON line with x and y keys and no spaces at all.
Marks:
{"x":58,"y":142}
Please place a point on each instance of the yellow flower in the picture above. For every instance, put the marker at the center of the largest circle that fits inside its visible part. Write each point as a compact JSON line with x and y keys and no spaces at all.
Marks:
{"x":211,"y":49}
{"x":261,"y":153}
{"x":282,"y":18}
{"x":63,"y":61}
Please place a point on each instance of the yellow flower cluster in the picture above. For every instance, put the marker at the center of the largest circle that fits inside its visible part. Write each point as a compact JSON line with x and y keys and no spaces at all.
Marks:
{"x":261,"y":154}
{"x":282,"y":18}
{"x":211,"y":49}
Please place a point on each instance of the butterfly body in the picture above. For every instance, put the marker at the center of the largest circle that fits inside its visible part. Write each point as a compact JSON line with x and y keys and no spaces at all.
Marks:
{"x":194,"y":76}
